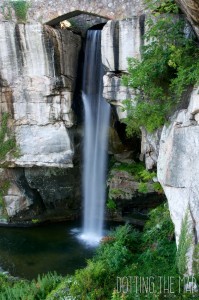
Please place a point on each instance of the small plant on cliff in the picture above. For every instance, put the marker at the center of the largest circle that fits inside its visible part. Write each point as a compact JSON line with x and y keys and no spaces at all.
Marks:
{"x":161,"y":6}
{"x":169,"y":65}
{"x":140,"y":174}
{"x":111,"y":205}
{"x":143,"y":188}
{"x":4,"y":186}
{"x":21,"y":9}
{"x":7,"y":141}
{"x":183,"y":247}
{"x":6,"y":11}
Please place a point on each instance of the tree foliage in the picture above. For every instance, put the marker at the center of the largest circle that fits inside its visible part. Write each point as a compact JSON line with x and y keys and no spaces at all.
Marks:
{"x":169,"y":65}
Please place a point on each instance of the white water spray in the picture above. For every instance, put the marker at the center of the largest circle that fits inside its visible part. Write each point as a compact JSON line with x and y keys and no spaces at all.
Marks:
{"x":97,"y":112}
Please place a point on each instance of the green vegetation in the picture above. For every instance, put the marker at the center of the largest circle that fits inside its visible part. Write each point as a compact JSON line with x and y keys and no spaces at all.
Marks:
{"x":111,"y":205}
{"x":124,"y":253}
{"x":35,"y":221}
{"x":4,"y":186}
{"x":132,"y":168}
{"x":7,"y":140}
{"x":169,"y":65}
{"x":196,"y":259}
{"x":143,"y":188}
{"x":115,"y":193}
{"x":183,"y":247}
{"x":161,"y":6}
{"x":14,"y":289}
{"x":7,"y":12}
{"x":21,"y":8}
{"x":140,"y":174}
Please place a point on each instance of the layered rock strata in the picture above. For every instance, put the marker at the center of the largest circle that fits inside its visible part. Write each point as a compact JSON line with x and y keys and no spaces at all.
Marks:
{"x":38,"y":70}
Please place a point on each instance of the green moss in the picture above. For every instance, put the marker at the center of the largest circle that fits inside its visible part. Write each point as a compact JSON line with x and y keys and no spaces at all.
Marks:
{"x":4,"y":186}
{"x":143,"y":188}
{"x":132,"y":169}
{"x":158,"y":188}
{"x":35,"y":221}
{"x":111,"y":205}
{"x":7,"y":140}
{"x":21,"y":8}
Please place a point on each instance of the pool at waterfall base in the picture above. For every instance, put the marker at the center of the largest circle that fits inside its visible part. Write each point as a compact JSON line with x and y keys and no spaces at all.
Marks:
{"x":27,"y":252}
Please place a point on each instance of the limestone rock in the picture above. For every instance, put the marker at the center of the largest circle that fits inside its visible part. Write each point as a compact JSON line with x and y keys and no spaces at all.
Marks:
{"x":49,"y":145}
{"x":178,"y":169}
{"x":115,"y":93}
{"x":150,"y":147}
{"x":123,"y":185}
{"x":115,"y":145}
{"x":120,"y":40}
{"x":41,"y":192}
{"x":38,"y":69}
{"x":191,"y":9}
{"x":109,"y":46}
{"x":58,"y":188}
{"x":53,"y":12}
{"x":15,"y":201}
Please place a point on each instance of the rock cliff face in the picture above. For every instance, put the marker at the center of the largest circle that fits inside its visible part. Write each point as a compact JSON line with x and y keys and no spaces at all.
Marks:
{"x":38,"y":69}
{"x":38,"y":72}
{"x":41,"y":89}
{"x":173,"y":149}
{"x":120,"y":40}
{"x":191,"y":8}
{"x":178,"y":169}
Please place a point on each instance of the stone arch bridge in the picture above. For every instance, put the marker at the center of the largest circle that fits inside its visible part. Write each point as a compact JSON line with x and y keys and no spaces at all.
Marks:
{"x":51,"y":12}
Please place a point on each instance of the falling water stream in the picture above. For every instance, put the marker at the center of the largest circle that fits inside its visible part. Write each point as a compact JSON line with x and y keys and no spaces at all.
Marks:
{"x":97,"y":112}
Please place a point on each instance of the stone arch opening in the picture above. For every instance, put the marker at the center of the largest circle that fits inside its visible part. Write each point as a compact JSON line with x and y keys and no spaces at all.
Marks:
{"x":97,"y":26}
{"x":79,"y":17}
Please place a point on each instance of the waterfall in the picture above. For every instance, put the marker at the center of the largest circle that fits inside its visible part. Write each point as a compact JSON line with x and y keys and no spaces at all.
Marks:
{"x":97,"y":112}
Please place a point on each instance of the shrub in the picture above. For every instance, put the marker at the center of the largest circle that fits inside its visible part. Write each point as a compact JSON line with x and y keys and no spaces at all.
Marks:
{"x":15,"y":289}
{"x":21,"y":9}
{"x":161,"y":6}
